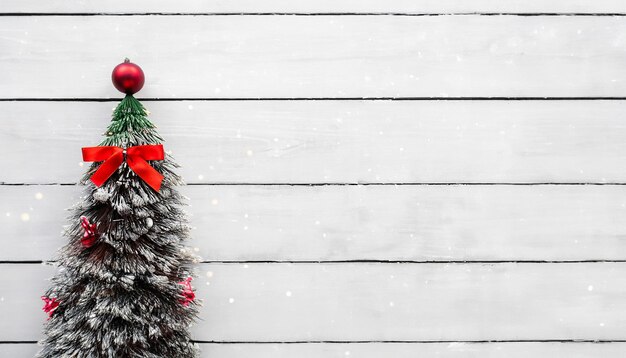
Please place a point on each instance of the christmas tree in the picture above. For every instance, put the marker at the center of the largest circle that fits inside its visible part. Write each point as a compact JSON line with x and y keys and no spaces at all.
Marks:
{"x":123,"y":288}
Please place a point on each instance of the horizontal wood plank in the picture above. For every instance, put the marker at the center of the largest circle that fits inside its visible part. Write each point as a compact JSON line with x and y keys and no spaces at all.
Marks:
{"x":446,"y":350}
{"x":337,"y":141}
{"x":302,"y":223}
{"x":408,"y":6}
{"x":377,"y":350}
{"x":319,"y":56}
{"x":355,"y":302}
{"x":18,"y":350}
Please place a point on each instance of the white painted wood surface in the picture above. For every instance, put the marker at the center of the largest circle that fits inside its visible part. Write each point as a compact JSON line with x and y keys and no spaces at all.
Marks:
{"x":447,"y":350}
{"x":396,"y":350}
{"x":315,"y":56}
{"x":231,"y":142}
{"x":377,"y":302}
{"x":336,"y":142}
{"x":325,"y":6}
{"x":420,"y":223}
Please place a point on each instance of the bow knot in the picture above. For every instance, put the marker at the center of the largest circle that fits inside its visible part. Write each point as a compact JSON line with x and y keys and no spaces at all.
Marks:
{"x":136,"y":157}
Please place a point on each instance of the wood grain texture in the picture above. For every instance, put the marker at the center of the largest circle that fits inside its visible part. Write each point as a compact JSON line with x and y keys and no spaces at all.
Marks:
{"x":377,"y":350}
{"x":315,"y":56}
{"x":337,"y":142}
{"x":409,"y":6}
{"x":421,"y":223}
{"x":354,"y":302}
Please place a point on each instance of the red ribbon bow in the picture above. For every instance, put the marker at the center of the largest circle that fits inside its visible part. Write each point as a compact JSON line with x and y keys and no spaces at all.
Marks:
{"x":50,"y":305}
{"x":112,"y":157}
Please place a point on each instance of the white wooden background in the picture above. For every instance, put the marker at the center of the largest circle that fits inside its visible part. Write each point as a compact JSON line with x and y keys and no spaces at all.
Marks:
{"x":367,"y":178}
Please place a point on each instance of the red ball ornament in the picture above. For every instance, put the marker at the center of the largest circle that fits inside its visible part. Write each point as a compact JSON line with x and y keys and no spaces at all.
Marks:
{"x":128,"y":77}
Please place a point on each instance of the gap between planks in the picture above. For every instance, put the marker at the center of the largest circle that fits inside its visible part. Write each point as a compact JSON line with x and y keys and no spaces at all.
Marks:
{"x":363,"y":261}
{"x":422,"y":341}
{"x":574,"y":341}
{"x":362,"y":184}
{"x":227,"y":99}
{"x":415,"y":14}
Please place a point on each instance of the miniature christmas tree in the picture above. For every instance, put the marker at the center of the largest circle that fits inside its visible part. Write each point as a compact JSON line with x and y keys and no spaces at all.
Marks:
{"x":123,"y":288}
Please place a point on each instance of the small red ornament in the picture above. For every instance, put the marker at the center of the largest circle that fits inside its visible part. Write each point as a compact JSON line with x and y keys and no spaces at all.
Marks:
{"x":89,"y":237}
{"x":50,"y":305}
{"x":188,"y":294}
{"x":128,"y":77}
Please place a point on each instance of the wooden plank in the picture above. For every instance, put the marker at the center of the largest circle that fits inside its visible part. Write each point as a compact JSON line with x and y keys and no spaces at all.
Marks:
{"x":355,"y":302}
{"x":424,"y":6}
{"x":446,"y":350}
{"x":422,"y":223}
{"x":315,"y":56}
{"x":376,"y":350}
{"x":337,"y":141}
{"x":18,"y":350}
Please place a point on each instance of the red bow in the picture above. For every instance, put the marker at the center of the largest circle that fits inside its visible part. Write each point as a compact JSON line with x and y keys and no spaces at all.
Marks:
{"x":113,"y":157}
{"x":50,"y":305}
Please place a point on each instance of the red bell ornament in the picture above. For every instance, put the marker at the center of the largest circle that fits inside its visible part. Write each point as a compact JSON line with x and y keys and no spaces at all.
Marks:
{"x":187,"y":295}
{"x":127,"y":77}
{"x":91,"y":233}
